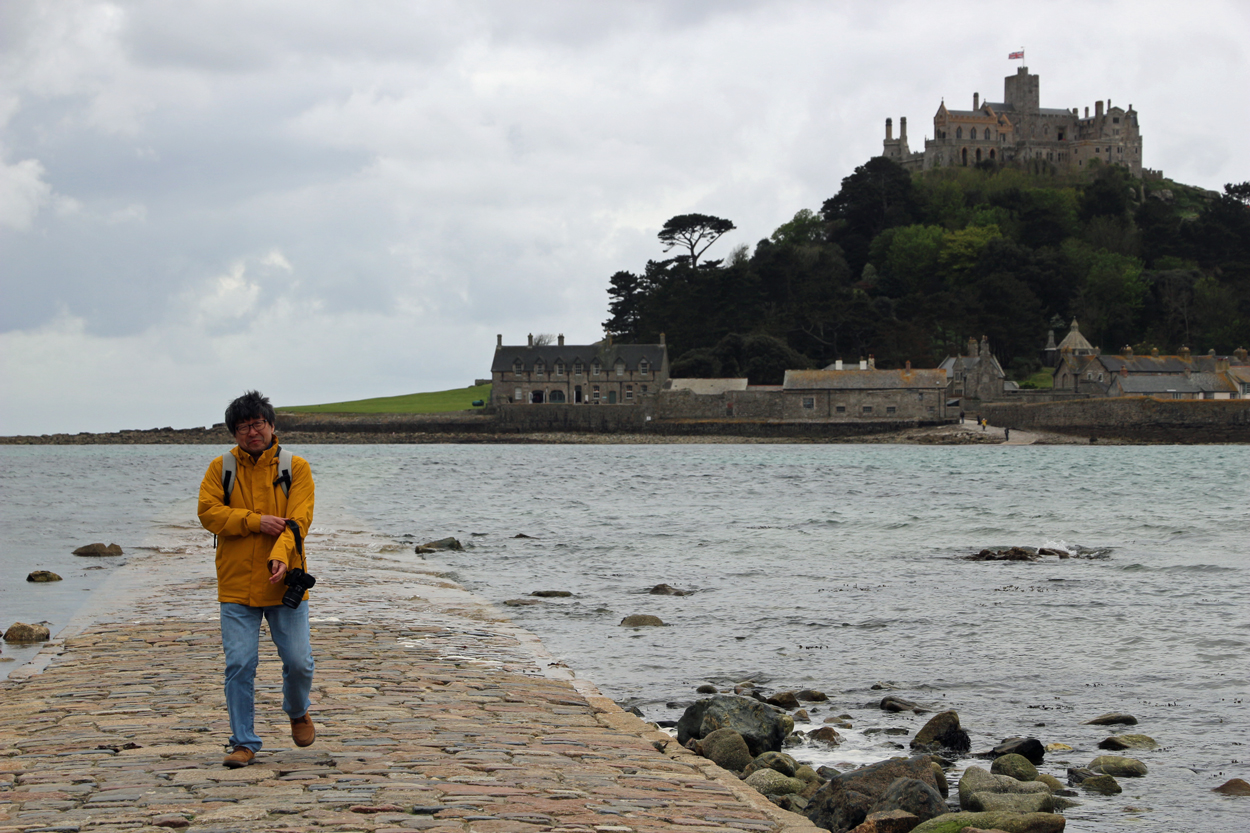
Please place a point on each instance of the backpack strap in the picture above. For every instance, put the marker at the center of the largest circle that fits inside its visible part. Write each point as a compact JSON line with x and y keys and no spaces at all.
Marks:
{"x":229,"y":474}
{"x":284,"y":471}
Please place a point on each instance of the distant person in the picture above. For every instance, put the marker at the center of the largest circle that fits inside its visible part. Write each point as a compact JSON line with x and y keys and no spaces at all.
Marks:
{"x":1006,"y":434}
{"x":961,"y":417}
{"x":260,"y":528}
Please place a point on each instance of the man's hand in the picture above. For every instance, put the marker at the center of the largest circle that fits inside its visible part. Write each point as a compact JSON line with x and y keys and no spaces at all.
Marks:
{"x":277,"y":570}
{"x":272,"y":525}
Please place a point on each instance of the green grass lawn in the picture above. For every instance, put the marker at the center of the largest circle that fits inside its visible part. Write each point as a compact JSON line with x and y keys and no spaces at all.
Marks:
{"x":460,"y":399}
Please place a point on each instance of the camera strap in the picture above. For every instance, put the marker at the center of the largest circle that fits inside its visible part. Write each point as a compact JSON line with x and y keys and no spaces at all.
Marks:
{"x":299,"y":539}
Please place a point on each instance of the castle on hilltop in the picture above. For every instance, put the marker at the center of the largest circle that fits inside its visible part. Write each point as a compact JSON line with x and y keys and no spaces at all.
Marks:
{"x":1018,"y":129}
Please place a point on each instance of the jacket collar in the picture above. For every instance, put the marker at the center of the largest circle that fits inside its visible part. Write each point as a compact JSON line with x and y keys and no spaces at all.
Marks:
{"x":266,"y":457}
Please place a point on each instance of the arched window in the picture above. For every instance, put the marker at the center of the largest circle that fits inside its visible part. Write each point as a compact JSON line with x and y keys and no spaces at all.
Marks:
{"x":556,"y":397}
{"x":978,"y":154}
{"x":964,"y":155}
{"x":959,"y":132}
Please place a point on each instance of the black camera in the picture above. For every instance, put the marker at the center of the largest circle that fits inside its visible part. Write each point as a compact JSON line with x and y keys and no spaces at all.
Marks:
{"x":297,"y":581}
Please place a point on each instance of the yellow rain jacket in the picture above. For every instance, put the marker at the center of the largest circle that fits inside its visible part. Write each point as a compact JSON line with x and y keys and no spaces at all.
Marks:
{"x":243,"y":551}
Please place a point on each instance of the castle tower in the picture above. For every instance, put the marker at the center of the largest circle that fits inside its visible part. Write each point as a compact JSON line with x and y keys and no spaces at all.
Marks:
{"x":895,"y":149}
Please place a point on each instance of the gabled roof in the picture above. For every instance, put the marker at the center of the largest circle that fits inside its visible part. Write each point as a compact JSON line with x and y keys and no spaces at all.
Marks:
{"x":549,"y":354}
{"x":1146,"y":384}
{"x":706,"y":386}
{"x":863,"y":379}
{"x":1146,"y":364}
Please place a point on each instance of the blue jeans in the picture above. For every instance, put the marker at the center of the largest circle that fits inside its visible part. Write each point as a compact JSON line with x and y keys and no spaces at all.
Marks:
{"x":240,"y":637}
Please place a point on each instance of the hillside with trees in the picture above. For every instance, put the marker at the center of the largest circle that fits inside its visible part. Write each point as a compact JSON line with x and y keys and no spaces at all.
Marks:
{"x":908,"y":267}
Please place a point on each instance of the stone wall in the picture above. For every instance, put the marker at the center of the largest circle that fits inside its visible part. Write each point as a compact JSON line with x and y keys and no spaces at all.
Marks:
{"x":1137,"y":418}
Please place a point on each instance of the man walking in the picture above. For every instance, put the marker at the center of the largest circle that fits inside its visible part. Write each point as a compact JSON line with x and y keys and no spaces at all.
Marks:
{"x":260,"y":521}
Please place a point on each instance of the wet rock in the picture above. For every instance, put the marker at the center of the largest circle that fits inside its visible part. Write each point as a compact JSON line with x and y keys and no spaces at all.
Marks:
{"x":911,"y":795}
{"x":522,"y":602}
{"x":707,"y":688}
{"x":846,"y":800}
{"x":780,"y":761}
{"x":42,"y":576}
{"x":1050,"y":781}
{"x":942,"y":732}
{"x":523,"y":535}
{"x":761,"y":726}
{"x":1030,"y":748}
{"x":1051,"y":551}
{"x":772,"y":782}
{"x":1112,"y":719}
{"x":552,"y":594}
{"x":898,"y":704}
{"x":95,"y":550}
{"x":1014,"y":766}
{"x":811,"y":695}
{"x":22,"y":632}
{"x":1116,"y":743}
{"x":1058,"y":747}
{"x":801,"y":716}
{"x":939,"y":776}
{"x":826,"y":734}
{"x":827,"y":772}
{"x":783,"y":700}
{"x":793,"y":803}
{"x":642,"y":620}
{"x":667,"y":590}
{"x":1012,"y":554}
{"x":1118,"y":765}
{"x":976,"y":780}
{"x":726,"y":749}
{"x":1235,"y":786}
{"x":997,"y":821}
{"x":1103,"y":784}
{"x":1040,"y":802}
{"x":890,"y":821}
{"x":441,"y":545}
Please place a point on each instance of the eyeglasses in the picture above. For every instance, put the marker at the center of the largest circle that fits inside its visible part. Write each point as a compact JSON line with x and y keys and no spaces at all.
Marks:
{"x":249,"y":427}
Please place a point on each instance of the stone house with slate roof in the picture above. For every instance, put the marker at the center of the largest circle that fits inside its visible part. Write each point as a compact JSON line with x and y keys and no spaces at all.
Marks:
{"x":576,"y":374}
{"x":1182,"y":376}
{"x":863,"y":394}
{"x":1019,"y":129}
{"x":977,"y":375}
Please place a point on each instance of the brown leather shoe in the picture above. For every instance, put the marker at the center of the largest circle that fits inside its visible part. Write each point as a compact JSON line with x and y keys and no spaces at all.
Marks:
{"x":241,"y":756}
{"x":303,"y":732}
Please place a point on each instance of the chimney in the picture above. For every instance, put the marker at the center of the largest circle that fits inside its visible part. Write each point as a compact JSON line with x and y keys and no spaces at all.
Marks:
{"x":1087,"y":111}
{"x":837,"y":365}
{"x":1184,"y":354}
{"x":499,"y":342}
{"x":1123,"y":370}
{"x":1126,"y":352}
{"x":531,"y":339}
{"x":609,"y":339}
{"x":1241,"y":354}
{"x":1221,"y":364}
{"x":661,"y":339}
{"x":872,"y":363}
{"x":902,"y":129}
{"x":560,"y":340}
{"x":976,"y":101}
{"x":972,"y":347}
{"x":1154,"y":352}
{"x":909,"y":366}
{"x":889,"y":130}
{"x":1098,"y":109}
{"x":863,"y":364}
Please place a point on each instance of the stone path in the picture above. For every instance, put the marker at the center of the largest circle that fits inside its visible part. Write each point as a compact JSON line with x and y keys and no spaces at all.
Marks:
{"x":433,"y":713}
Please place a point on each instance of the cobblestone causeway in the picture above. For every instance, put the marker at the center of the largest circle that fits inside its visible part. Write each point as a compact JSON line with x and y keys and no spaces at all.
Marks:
{"x":433,"y":713}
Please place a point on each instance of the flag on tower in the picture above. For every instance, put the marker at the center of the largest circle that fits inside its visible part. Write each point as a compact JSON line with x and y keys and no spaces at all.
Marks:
{"x":1014,"y":56}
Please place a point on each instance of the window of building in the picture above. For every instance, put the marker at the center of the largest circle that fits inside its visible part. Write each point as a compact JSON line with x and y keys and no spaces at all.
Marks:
{"x":620,"y":367}
{"x":841,"y":409}
{"x":642,"y":389}
{"x":932,"y":409}
{"x":1059,"y":135}
{"x":1115,"y":120}
{"x":556,"y":397}
{"x":518,"y":396}
{"x":517,"y":368}
{"x":643,"y":368}
{"x":577,"y":368}
{"x":629,"y":393}
{"x":539,"y":369}
{"x":890,"y":409}
{"x":594,"y":393}
{"x":559,"y":368}
{"x":867,"y":409}
{"x":595,"y":368}
{"x":809,"y":402}
{"x":959,"y":132}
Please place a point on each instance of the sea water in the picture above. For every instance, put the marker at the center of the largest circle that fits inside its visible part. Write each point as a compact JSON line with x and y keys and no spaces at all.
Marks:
{"x":834,"y":567}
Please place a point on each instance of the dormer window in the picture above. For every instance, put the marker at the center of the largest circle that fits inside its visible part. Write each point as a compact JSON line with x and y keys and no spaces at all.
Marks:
{"x":517,"y":368}
{"x":643,"y":368}
{"x":577,"y":368}
{"x":559,"y":368}
{"x":595,"y":368}
{"x":539,"y":369}
{"x":620,"y":367}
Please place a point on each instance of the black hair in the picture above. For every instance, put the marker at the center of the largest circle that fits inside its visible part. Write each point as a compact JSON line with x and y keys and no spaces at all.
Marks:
{"x":250,"y":405}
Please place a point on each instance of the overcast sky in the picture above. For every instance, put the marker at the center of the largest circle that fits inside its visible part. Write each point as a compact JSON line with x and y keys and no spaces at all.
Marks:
{"x":338,"y":200}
